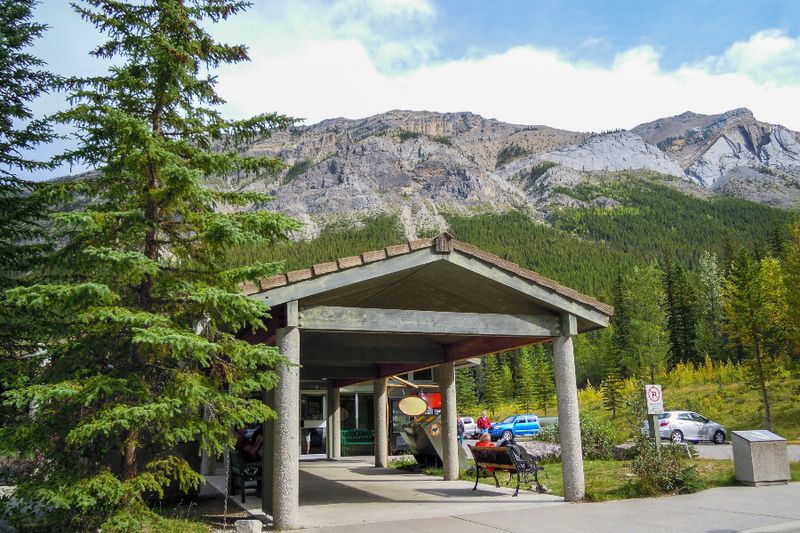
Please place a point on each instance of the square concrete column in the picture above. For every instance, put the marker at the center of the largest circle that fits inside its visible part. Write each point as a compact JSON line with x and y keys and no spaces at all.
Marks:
{"x":286,"y":453}
{"x":569,"y":426}
{"x":334,"y":424}
{"x":380,"y":401}
{"x":267,"y":455}
{"x":447,"y":386}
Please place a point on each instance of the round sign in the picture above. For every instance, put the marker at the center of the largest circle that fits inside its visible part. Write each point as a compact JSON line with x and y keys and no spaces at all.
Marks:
{"x":412,"y":405}
{"x":654,"y":394}
{"x":436,"y":429}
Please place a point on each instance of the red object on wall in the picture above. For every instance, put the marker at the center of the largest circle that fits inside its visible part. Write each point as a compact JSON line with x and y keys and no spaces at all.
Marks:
{"x":433,"y":399}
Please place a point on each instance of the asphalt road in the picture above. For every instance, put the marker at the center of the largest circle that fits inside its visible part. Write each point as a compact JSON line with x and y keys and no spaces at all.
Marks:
{"x":725,"y":451}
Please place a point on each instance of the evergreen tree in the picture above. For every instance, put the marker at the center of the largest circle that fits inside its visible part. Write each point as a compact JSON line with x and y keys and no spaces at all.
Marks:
{"x":137,"y":327}
{"x":507,"y":382}
{"x":544,"y":378}
{"x":493,"y":393}
{"x":620,"y":322}
{"x":22,"y":241}
{"x":525,"y":379}
{"x":611,"y":390}
{"x":466,"y":396}
{"x":756,"y":316}
{"x":681,"y":316}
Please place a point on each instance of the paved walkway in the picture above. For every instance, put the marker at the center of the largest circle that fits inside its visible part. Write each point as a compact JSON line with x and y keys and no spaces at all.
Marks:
{"x":352,"y":492}
{"x":727,"y":509}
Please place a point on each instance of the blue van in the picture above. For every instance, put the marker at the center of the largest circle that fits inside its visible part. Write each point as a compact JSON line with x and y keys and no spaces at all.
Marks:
{"x":516,"y":425}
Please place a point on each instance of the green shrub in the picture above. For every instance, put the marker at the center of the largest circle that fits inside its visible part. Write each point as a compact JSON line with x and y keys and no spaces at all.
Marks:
{"x":442,"y":139}
{"x":405,"y":135}
{"x":667,"y":473}
{"x":509,"y":154}
{"x":297,"y":169}
{"x":598,"y":436}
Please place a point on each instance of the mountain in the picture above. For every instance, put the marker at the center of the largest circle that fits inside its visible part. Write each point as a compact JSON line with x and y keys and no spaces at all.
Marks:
{"x":421,"y":165}
{"x":732,"y":153}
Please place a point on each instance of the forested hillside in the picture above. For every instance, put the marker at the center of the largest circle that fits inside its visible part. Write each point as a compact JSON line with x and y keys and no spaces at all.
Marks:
{"x":692,"y":280}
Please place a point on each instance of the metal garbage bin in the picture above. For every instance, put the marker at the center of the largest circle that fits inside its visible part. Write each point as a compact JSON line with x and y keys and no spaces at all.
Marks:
{"x":760,"y":458}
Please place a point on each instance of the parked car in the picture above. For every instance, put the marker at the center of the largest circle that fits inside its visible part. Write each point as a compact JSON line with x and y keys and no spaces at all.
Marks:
{"x":679,"y":426}
{"x":470,"y":427}
{"x":516,"y":426}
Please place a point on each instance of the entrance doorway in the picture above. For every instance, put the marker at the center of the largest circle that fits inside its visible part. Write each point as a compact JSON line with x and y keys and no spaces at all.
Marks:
{"x":313,"y":413}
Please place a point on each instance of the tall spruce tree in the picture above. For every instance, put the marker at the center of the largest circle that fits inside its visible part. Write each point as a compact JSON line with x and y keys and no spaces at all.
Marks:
{"x":466,"y":391}
{"x":681,"y":315}
{"x":22,"y":210}
{"x":493,"y":394}
{"x":544,"y":390}
{"x":525,"y":379}
{"x":137,"y":330}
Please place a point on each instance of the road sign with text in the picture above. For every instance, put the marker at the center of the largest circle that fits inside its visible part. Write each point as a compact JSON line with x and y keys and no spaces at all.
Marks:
{"x":655,"y":401}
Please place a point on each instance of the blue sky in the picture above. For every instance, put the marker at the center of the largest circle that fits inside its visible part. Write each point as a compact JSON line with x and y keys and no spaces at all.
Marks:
{"x":582,"y":65}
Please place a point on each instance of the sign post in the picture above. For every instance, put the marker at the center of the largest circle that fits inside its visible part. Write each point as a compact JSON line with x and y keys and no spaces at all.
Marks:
{"x":655,"y":407}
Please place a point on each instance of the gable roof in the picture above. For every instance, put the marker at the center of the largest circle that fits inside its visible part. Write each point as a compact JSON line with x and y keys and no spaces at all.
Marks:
{"x":442,"y":243}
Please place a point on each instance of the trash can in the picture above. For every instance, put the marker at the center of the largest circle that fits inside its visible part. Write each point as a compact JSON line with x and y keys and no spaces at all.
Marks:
{"x":760,"y":458}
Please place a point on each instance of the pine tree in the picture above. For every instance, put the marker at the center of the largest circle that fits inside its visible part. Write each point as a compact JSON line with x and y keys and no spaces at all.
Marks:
{"x":507,"y":382}
{"x":466,"y":396}
{"x":137,"y":327}
{"x":681,"y":316}
{"x":525,"y":379}
{"x":611,"y":390}
{"x":648,"y":350}
{"x":493,"y":393}
{"x":22,"y":240}
{"x":544,"y":378}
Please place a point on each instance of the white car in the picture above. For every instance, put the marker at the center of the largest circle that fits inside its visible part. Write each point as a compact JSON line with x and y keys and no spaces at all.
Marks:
{"x":687,"y":425}
{"x":470,"y":426}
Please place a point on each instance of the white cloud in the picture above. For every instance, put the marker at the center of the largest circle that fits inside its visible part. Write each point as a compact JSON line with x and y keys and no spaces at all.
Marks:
{"x":361,"y":57}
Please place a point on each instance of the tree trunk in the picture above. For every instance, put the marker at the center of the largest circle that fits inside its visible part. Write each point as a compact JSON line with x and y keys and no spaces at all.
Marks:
{"x":762,"y":382}
{"x":129,"y":465}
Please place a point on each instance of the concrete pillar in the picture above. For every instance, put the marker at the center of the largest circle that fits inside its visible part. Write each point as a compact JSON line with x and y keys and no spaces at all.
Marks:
{"x":286,"y":453}
{"x":380,"y":400}
{"x":267,"y":456}
{"x":569,"y":427}
{"x":334,"y":424}
{"x":447,"y":386}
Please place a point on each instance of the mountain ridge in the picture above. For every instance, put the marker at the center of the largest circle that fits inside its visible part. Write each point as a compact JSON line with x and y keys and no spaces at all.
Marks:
{"x":420,"y":163}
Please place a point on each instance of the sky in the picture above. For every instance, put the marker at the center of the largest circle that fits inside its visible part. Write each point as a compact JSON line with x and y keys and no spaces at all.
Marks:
{"x":574,"y":64}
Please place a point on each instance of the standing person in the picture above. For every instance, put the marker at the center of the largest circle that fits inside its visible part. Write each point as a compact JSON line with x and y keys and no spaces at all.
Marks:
{"x":484,"y":423}
{"x":460,"y":430}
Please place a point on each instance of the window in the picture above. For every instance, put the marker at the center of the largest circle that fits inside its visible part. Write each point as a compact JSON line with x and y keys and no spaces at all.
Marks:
{"x":424,"y":375}
{"x":684,"y":416}
{"x":698,"y":418}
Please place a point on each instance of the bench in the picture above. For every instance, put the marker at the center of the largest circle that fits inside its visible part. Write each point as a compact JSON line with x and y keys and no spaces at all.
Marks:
{"x":242,"y":472}
{"x":357,"y":437}
{"x":511,"y":459}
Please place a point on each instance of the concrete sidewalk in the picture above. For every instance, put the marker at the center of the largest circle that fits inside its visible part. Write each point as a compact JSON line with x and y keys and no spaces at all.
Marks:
{"x":726,"y":509}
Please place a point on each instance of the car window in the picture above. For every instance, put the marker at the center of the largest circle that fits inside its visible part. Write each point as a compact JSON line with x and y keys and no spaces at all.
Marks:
{"x":662,"y":416}
{"x":467,"y":420}
{"x":698,"y":418}
{"x":507,"y":420}
{"x":684,"y":416}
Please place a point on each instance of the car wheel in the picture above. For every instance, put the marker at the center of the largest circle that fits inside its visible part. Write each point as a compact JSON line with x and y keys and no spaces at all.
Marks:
{"x":508,"y":435}
{"x":677,"y":436}
{"x":719,"y":437}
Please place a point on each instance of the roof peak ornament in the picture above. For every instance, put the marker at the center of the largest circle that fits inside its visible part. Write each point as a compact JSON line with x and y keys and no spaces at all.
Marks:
{"x":443,"y":243}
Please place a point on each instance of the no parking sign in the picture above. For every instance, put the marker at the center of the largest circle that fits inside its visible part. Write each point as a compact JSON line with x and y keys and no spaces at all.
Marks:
{"x":655,"y":400}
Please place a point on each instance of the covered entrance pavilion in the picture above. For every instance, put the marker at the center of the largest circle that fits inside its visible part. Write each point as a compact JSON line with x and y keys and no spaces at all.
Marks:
{"x":422,"y":304}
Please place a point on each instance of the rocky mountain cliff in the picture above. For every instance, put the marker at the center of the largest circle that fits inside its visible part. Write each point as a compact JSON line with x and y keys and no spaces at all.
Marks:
{"x":421,"y":163}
